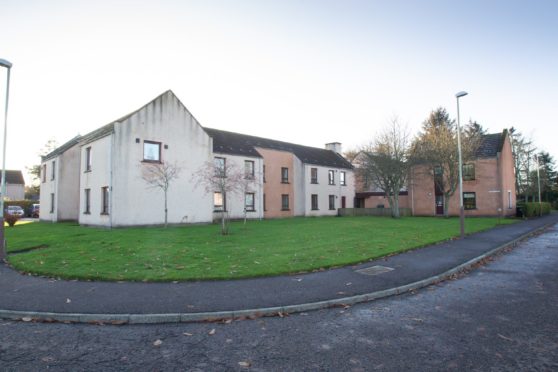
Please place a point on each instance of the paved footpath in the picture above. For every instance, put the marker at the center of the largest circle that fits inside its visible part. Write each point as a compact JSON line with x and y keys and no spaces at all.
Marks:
{"x":36,"y":297}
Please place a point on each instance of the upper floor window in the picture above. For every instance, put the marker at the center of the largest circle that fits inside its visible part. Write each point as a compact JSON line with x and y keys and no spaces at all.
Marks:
{"x":313,"y":175}
{"x":468,"y":172}
{"x":220,"y":166}
{"x":438,"y":170}
{"x":249,"y":202}
{"x":88,"y":159}
{"x":331,"y":177}
{"x":152,"y":151}
{"x":342,"y":180}
{"x":249,"y":169}
{"x":284,"y":175}
{"x":53,"y":173}
{"x":264,"y":173}
{"x":44,"y":172}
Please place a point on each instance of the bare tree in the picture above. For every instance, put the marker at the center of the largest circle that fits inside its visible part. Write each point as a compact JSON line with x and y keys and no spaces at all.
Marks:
{"x":436,"y":148}
{"x":248,"y":185}
{"x":160,"y":176}
{"x":224,"y":178}
{"x":523,"y":150}
{"x":385,"y":162}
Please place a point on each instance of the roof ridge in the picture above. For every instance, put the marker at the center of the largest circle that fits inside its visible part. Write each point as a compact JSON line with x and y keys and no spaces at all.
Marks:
{"x":268,"y":139}
{"x":245,"y":145}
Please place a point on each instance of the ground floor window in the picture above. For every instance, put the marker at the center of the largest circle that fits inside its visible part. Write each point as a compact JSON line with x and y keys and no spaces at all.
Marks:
{"x":509,"y":200}
{"x":285,"y":202}
{"x":218,"y":201}
{"x":249,"y":202}
{"x":264,"y":206}
{"x":51,"y":203}
{"x":331,"y":202}
{"x":105,"y":200}
{"x":87,"y":206}
{"x":314,"y":202}
{"x":469,"y":200}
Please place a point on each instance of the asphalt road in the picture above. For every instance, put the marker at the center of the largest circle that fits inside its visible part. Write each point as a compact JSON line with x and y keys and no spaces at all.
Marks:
{"x":502,"y":316}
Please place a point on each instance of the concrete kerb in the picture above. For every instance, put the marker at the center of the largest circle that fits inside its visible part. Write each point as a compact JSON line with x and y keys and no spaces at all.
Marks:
{"x":259,"y":312}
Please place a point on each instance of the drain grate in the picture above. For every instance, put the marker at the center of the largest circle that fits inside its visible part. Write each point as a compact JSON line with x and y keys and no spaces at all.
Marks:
{"x":375,"y":270}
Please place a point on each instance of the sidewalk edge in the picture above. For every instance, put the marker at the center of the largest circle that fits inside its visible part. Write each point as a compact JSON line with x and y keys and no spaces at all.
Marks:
{"x":258,"y":312}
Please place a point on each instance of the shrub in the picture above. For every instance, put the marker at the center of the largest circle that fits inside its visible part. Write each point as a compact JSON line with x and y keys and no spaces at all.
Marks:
{"x":11,"y":219}
{"x":534,"y":209}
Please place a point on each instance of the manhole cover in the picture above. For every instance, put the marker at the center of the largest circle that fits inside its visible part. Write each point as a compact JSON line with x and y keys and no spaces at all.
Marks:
{"x":374,"y":270}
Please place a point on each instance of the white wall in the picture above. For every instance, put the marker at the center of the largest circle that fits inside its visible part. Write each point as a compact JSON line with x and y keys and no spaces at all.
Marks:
{"x":300,"y":179}
{"x":97,"y":177}
{"x":167,"y":121}
{"x":15,"y":191}
{"x":46,"y":189}
{"x":235,"y":202}
{"x":323,"y":190}
{"x":68,"y":178}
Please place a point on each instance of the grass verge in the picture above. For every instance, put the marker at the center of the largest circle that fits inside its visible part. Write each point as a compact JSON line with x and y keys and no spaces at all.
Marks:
{"x":261,"y":248}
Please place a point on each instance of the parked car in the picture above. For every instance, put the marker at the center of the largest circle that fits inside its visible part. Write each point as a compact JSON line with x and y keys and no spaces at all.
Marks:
{"x":35,"y":210}
{"x":15,"y":210}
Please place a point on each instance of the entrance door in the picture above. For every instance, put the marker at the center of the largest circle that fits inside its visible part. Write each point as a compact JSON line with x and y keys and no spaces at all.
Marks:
{"x":439,"y":204}
{"x":343,"y":202}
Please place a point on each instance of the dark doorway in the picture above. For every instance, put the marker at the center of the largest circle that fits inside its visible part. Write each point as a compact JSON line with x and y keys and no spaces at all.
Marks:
{"x":343,"y":202}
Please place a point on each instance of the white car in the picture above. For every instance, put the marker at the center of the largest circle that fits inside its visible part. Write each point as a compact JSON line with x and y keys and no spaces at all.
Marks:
{"x":15,"y":210}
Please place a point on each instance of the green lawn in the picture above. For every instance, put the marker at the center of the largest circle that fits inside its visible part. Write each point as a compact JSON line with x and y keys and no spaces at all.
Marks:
{"x":260,"y":248}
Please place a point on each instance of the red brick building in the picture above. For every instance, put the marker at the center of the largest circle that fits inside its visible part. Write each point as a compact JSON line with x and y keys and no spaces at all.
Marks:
{"x":488,"y":185}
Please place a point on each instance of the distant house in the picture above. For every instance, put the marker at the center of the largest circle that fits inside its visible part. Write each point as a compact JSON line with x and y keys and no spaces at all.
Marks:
{"x":488,"y":185}
{"x":15,"y":185}
{"x":97,"y":178}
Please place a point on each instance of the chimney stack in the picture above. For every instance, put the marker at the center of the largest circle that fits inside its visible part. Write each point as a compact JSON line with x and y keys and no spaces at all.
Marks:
{"x":334,"y":146}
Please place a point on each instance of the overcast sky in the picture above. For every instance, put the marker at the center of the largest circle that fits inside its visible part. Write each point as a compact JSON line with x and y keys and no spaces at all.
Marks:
{"x":308,"y":72}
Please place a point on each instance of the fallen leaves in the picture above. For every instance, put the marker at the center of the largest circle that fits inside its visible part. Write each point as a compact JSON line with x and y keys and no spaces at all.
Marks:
{"x":504,"y":337}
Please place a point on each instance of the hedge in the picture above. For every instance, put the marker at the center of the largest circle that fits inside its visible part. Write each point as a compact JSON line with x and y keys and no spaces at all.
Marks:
{"x":534,"y":209}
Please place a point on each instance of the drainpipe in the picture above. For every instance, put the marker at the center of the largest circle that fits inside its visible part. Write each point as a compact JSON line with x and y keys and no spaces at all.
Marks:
{"x":260,"y":184}
{"x":56,"y":196}
{"x":412,"y":194}
{"x":110,"y":177}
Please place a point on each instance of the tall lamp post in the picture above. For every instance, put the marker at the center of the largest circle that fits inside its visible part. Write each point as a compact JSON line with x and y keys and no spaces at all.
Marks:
{"x":461,"y":210}
{"x":8,"y":65}
{"x":539,"y":184}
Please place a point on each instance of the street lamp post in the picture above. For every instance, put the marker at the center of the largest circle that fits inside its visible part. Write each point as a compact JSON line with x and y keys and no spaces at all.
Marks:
{"x":539,"y":184}
{"x":8,"y":65}
{"x":461,"y":210}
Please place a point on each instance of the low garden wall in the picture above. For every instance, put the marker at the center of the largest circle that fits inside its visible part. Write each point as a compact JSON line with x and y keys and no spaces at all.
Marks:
{"x":403,"y":212}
